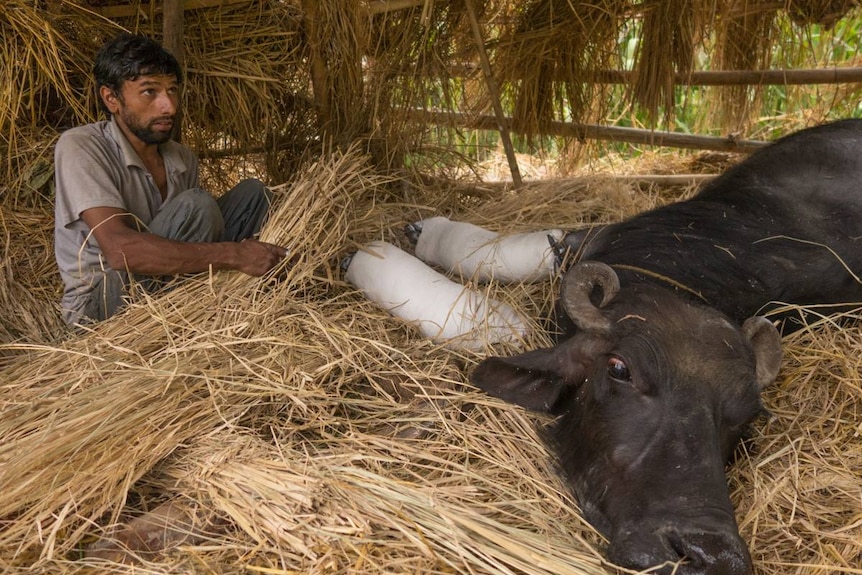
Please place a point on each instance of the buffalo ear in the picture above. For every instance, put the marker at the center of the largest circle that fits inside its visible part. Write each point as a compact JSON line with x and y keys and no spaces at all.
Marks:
{"x":528,"y":380}
{"x":766,"y":342}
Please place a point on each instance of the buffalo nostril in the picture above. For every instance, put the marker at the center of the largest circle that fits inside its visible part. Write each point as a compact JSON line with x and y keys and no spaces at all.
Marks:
{"x":710,"y":553}
{"x":717,"y":553}
{"x":669,"y":551}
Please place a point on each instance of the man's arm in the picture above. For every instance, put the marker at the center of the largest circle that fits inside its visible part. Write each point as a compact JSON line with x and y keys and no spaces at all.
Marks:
{"x":144,"y":253}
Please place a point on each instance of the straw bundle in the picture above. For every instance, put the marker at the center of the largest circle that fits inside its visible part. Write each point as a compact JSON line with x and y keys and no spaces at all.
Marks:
{"x":550,"y":52}
{"x":143,"y":381}
{"x":743,"y":42}
{"x":671,"y":30}
{"x":41,"y":65}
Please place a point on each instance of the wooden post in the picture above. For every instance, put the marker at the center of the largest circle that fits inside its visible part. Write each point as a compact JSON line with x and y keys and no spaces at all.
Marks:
{"x":502,"y":124}
{"x":319,"y":79}
{"x":172,"y":34}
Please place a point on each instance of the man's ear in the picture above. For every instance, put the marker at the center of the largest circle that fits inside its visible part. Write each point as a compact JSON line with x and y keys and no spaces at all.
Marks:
{"x":110,"y":99}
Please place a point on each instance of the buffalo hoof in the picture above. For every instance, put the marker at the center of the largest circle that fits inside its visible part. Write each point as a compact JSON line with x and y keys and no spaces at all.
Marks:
{"x":413,"y":231}
{"x":559,"y":249}
{"x":345,"y":263}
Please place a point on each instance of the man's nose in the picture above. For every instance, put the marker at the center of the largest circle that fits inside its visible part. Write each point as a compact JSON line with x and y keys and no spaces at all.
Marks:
{"x":167,"y":104}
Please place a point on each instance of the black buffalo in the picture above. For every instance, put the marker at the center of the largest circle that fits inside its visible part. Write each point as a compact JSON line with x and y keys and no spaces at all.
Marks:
{"x":666,"y":350}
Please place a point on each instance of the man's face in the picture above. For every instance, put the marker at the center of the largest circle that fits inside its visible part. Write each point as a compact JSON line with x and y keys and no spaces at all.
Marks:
{"x":145,"y":107}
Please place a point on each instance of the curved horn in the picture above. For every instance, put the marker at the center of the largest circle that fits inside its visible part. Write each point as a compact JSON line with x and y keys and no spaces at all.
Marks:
{"x":578,"y":285}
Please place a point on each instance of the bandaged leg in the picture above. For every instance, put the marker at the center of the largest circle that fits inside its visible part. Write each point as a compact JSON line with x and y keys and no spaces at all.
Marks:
{"x":481,"y":255}
{"x":443,"y":310}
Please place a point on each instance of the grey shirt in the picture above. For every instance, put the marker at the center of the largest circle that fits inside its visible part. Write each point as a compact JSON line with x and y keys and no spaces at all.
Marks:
{"x":96,"y":166}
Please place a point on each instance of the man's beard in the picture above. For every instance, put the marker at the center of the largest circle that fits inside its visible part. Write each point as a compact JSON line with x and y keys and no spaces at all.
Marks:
{"x":146,"y":134}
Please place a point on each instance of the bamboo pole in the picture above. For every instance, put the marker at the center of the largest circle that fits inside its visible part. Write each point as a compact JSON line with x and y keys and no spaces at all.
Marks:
{"x":783,"y":77}
{"x":606,"y":133}
{"x":581,"y":131}
{"x":501,"y":120}
{"x":747,"y":77}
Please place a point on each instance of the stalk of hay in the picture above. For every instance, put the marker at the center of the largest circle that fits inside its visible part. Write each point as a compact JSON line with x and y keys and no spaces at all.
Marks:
{"x":346,"y":490}
{"x":549,"y":52}
{"x":671,"y":30}
{"x":744,"y":42}
{"x":41,"y":51}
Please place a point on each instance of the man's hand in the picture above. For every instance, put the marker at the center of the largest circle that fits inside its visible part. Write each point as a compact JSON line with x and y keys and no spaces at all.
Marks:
{"x":256,"y":257}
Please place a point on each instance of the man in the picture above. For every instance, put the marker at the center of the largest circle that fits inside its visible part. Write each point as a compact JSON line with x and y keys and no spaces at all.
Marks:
{"x":128,"y":201}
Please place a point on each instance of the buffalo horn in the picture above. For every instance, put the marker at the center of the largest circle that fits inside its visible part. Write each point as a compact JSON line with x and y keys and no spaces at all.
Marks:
{"x":578,"y":284}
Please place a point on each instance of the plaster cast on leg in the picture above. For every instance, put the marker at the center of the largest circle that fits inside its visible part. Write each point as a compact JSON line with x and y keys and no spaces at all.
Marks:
{"x":443,"y":310}
{"x":481,"y":255}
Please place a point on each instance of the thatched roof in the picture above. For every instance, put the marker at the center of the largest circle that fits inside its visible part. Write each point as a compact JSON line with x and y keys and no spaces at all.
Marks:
{"x":263,"y":76}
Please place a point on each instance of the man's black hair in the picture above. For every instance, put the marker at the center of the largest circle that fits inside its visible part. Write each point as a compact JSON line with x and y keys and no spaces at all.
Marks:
{"x":128,"y":57}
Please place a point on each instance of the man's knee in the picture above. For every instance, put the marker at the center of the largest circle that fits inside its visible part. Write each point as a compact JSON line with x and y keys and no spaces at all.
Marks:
{"x":244,"y":209}
{"x":192,"y":216}
{"x":248,"y":190}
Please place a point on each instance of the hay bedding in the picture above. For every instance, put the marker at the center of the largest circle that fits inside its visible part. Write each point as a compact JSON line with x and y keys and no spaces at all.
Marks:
{"x":288,"y":426}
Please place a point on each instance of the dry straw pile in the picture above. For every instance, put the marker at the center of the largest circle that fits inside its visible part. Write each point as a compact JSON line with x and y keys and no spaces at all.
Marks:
{"x":285,"y":425}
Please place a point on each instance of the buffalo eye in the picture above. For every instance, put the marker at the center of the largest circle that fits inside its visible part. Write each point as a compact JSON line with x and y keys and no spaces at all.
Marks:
{"x":618,"y":370}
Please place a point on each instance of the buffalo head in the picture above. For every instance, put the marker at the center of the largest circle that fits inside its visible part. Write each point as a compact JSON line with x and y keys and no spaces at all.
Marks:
{"x":653,"y":393}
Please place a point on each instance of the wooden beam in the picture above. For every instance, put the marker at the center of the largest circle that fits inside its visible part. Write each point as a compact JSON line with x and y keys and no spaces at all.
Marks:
{"x":747,"y":77}
{"x":783,"y":77}
{"x":382,"y":6}
{"x":172,"y":30}
{"x":605,"y":133}
{"x":128,"y":10}
{"x":319,"y":70}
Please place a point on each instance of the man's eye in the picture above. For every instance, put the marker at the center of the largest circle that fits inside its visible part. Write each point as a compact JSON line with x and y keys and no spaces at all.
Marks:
{"x":618,"y":369}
